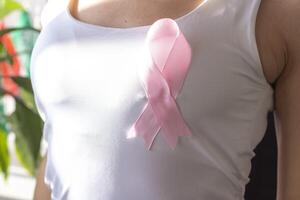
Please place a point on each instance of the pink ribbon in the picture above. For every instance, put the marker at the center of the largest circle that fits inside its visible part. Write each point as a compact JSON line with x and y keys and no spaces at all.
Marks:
{"x":169,"y":56}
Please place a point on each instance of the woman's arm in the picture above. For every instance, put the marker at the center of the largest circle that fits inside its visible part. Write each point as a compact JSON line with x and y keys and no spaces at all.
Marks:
{"x":287,"y":105}
{"x":41,"y":192}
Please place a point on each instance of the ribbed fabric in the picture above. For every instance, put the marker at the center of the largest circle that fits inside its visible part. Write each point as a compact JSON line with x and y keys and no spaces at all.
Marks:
{"x":88,"y":93}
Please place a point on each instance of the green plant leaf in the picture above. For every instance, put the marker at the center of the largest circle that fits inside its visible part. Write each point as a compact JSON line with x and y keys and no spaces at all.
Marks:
{"x":23,"y":82}
{"x":28,"y":99}
{"x":2,"y":50}
{"x":7,"y":58}
{"x":23,"y":28}
{"x":3,"y":121}
{"x":8,"y":6}
{"x":4,"y":153}
{"x":4,"y":56}
{"x":27,"y":126}
{"x":26,"y":91}
{"x":1,"y":92}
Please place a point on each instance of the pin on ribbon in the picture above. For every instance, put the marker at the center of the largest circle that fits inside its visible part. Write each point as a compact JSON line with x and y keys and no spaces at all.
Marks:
{"x":167,"y":59}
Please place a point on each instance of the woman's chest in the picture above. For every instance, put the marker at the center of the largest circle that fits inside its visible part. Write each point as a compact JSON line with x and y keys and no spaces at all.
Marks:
{"x":103,"y":75}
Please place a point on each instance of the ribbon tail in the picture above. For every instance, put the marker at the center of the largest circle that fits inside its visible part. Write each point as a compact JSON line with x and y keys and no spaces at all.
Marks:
{"x":171,"y":120}
{"x":146,"y":126}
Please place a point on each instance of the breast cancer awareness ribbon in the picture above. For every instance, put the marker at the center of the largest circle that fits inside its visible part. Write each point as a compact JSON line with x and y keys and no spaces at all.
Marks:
{"x":167,"y":59}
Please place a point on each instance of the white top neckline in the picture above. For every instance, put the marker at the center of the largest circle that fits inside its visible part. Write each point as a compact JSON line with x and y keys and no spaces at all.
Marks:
{"x":133,"y":28}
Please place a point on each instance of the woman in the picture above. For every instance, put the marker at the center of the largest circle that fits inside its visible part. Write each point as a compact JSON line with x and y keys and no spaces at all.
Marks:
{"x":225,"y":99}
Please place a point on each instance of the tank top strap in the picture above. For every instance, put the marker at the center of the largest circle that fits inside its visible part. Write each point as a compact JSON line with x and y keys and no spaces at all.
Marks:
{"x":50,"y":10}
{"x":244,"y":26}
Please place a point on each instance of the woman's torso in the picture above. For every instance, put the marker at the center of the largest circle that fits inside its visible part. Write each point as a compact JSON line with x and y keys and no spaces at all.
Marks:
{"x":88,"y":93}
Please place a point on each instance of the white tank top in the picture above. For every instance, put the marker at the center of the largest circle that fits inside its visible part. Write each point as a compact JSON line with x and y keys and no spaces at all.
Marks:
{"x":88,"y":93}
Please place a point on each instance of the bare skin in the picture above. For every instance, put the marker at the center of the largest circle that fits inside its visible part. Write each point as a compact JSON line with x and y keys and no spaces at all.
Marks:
{"x":283,"y":53}
{"x":278,"y":41}
{"x":42,"y":191}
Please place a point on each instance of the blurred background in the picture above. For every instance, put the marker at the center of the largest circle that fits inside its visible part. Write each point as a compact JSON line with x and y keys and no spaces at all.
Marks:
{"x":20,"y":126}
{"x":21,"y":144}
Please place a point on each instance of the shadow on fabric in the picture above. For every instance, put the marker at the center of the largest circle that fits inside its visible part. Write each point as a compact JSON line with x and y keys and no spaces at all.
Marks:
{"x":263,"y":175}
